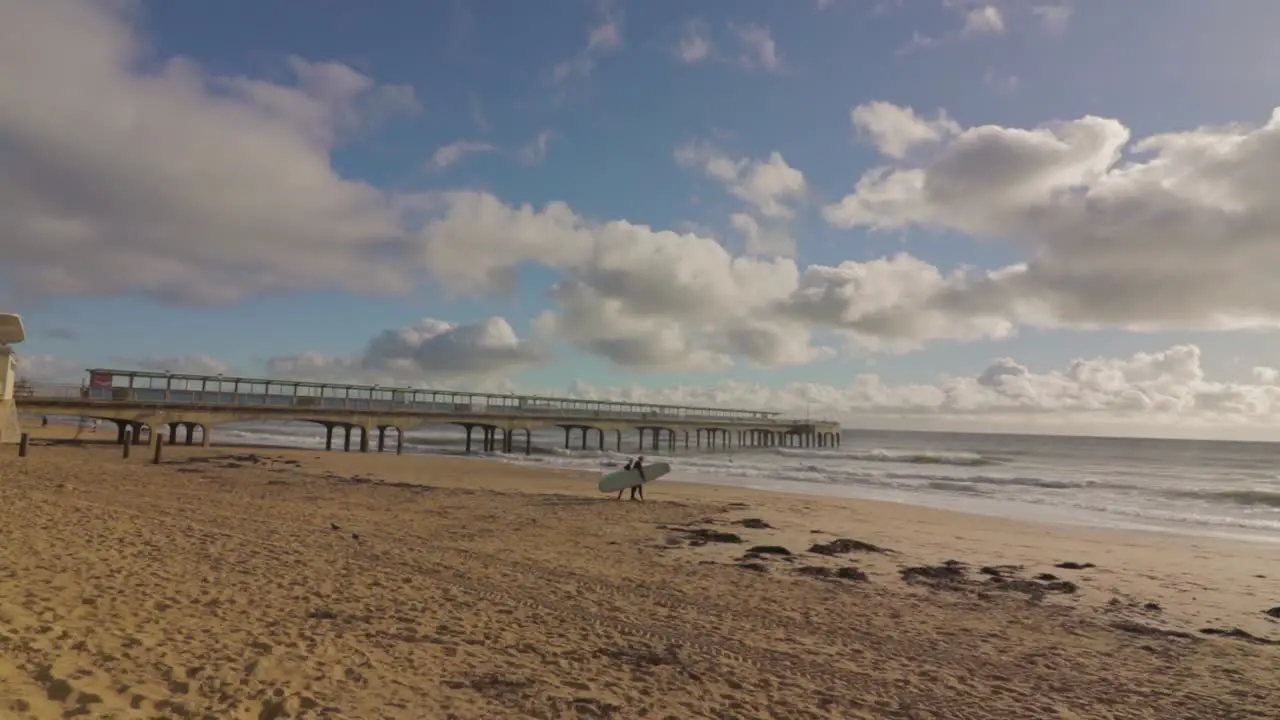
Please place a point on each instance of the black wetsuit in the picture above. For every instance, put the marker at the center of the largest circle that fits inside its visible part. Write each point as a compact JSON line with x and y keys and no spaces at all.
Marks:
{"x":638,"y":466}
{"x":625,"y":467}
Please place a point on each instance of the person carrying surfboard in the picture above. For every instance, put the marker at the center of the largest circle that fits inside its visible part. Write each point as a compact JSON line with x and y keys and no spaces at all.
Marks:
{"x":636,"y":464}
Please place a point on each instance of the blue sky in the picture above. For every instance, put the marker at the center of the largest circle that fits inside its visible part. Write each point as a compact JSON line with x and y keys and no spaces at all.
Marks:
{"x":484,"y":72}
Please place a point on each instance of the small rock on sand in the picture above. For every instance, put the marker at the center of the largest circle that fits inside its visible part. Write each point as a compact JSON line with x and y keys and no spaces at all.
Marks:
{"x":769,"y":550}
{"x":707,"y":536}
{"x":844,"y":546}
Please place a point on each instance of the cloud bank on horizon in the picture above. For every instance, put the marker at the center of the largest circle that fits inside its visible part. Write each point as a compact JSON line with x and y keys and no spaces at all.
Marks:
{"x":127,"y":174}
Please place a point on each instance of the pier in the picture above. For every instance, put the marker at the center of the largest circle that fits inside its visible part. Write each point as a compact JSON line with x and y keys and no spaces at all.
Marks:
{"x":147,"y":404}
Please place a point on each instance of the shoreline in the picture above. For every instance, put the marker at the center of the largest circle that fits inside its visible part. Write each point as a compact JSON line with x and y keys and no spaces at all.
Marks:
{"x":986,"y":507}
{"x":427,"y":585}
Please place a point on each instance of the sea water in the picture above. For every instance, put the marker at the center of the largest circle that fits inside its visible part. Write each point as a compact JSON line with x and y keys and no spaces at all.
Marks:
{"x":1201,"y":487}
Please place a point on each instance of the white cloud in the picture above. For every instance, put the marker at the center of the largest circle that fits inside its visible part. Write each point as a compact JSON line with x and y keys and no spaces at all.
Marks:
{"x":49,"y":369}
{"x":918,"y":41}
{"x":535,"y":152}
{"x":1177,"y":233}
{"x":164,"y":179}
{"x":768,"y":238}
{"x":1163,"y":392}
{"x":1160,"y":393}
{"x":453,"y":153}
{"x":985,"y":20}
{"x":181,"y":364}
{"x":759,"y":50}
{"x":767,"y":185}
{"x":1266,"y":375}
{"x":429,"y":349}
{"x":897,"y":130}
{"x":695,"y":45}
{"x":1053,"y":18}
{"x":603,"y":38}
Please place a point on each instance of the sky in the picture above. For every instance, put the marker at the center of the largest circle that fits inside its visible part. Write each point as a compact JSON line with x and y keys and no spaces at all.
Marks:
{"x":938,"y":214}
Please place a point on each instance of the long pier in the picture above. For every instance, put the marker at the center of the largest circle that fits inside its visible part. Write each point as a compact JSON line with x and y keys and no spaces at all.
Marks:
{"x":143,"y":403}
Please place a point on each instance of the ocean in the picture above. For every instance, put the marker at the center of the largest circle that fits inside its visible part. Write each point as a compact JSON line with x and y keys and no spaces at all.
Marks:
{"x":1214,"y":488}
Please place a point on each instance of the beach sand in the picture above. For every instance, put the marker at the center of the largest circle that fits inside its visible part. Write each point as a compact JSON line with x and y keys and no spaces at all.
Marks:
{"x":266,"y":583}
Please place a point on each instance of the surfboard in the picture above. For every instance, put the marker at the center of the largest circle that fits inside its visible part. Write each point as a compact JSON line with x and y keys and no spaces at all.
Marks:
{"x":623,"y":479}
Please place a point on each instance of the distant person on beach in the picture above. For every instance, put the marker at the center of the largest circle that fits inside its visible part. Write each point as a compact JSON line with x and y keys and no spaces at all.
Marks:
{"x":630,"y":463}
{"x":638,"y":465}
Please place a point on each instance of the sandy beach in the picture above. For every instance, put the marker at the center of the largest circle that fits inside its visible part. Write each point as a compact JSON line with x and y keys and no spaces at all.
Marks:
{"x":265,"y":583}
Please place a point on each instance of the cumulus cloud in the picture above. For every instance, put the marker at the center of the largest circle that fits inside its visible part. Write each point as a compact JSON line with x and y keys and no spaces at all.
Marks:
{"x":603,"y":38}
{"x":767,"y":185}
{"x":1163,"y":392}
{"x":895,"y":130}
{"x":759,"y":50}
{"x":695,"y":44}
{"x":179,"y":364}
{"x":449,"y":155}
{"x":52,"y":368}
{"x":1174,"y":231}
{"x":160,"y":178}
{"x":429,"y":349}
{"x":49,"y":369}
{"x":985,"y":20}
{"x":535,"y":151}
{"x":126,"y":175}
{"x":1053,"y":18}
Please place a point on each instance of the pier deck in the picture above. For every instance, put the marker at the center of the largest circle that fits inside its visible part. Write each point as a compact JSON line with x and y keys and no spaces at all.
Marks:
{"x":145,"y":403}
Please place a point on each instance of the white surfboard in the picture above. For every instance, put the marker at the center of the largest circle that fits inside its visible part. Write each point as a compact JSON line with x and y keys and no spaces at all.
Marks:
{"x":623,"y":479}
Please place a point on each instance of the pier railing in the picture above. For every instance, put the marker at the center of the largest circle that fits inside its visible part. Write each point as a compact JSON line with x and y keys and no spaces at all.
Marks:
{"x":49,"y":393}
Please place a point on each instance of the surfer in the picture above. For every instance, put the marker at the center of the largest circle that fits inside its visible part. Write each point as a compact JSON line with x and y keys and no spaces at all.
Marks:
{"x":636,"y":464}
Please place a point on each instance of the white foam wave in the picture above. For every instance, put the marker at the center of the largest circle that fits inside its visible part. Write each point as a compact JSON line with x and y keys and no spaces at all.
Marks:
{"x":1060,"y":483}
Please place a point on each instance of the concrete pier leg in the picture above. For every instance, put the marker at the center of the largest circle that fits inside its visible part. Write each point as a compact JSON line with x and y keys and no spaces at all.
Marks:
{"x":399,"y":441}
{"x":328,"y":436}
{"x":656,"y":439}
{"x":584,"y":438}
{"x":382,"y":438}
{"x":697,"y":438}
{"x":346,"y":444}
{"x":469,"y":428}
{"x":137,"y":432}
{"x":173,"y":433}
{"x":601,"y":434}
{"x":206,"y":437}
{"x":686,"y":439}
{"x":191,"y":433}
{"x":673,"y":441}
{"x":618,"y":440}
{"x":566,"y":438}
{"x":364,"y":439}
{"x":528,"y":441}
{"x":120,"y":427}
{"x":640,"y":444}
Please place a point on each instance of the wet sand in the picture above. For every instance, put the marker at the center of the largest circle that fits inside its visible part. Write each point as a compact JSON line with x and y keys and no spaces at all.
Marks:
{"x":229,"y":583}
